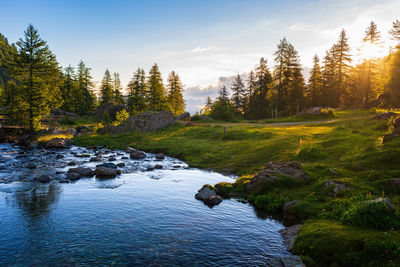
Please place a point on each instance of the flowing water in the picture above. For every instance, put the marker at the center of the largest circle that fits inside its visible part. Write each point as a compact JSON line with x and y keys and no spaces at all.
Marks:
{"x":140,"y":218}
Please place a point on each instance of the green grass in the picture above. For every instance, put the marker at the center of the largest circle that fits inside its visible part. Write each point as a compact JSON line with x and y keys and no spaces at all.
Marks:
{"x":348,"y":149}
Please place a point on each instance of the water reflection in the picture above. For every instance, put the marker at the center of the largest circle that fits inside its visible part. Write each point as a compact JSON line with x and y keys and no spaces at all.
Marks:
{"x":37,"y":199}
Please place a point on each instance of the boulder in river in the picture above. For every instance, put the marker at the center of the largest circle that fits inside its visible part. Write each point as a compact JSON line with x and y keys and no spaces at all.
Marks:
{"x":107,"y":165}
{"x":103,"y":172}
{"x":274,"y":171}
{"x":137,"y":154}
{"x":87,"y":172}
{"x":73,"y":176}
{"x":208,"y":196}
{"x":59,"y":143}
{"x":44,"y":178}
{"x":160,"y":156}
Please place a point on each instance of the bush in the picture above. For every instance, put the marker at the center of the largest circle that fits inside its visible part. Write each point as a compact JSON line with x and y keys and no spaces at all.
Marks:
{"x":311,"y":153}
{"x":67,"y":121}
{"x":121,"y":117}
{"x":375,"y":215}
{"x":272,"y":203}
{"x":224,"y":112}
{"x":223,"y":189}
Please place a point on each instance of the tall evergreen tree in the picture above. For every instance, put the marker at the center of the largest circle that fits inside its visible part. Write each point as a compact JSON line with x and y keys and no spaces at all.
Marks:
{"x":106,"y":90}
{"x":208,"y":105}
{"x":329,"y":76}
{"x":68,"y":89}
{"x":157,"y":94}
{"x":87,"y":100}
{"x":7,"y":84}
{"x":239,"y":93}
{"x":371,"y":39}
{"x":343,"y":60}
{"x":395,"y":31}
{"x":137,"y":92}
{"x":281,"y":73}
{"x":296,"y":85}
{"x":222,"y":108}
{"x":315,"y":83}
{"x":175,"y":97}
{"x":36,"y":69}
{"x":117,"y":87}
{"x":259,"y":104}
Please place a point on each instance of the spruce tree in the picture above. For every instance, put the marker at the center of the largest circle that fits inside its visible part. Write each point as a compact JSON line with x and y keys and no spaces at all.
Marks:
{"x":37,"y":71}
{"x":7,"y":83}
{"x":372,"y":38}
{"x":238,"y":97}
{"x":329,"y":76}
{"x":208,"y":105}
{"x":259,"y":104}
{"x":157,"y":95}
{"x":68,"y":89}
{"x":117,"y":87}
{"x":250,"y":88}
{"x":343,"y":60}
{"x":395,"y":31}
{"x":281,"y":73}
{"x":137,"y":92}
{"x":86,"y":99}
{"x":315,"y":83}
{"x":296,"y":85}
{"x":106,"y":91}
{"x":175,"y":97}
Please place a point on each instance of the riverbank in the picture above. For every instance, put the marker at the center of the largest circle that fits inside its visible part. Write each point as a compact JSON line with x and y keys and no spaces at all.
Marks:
{"x":347,"y":150}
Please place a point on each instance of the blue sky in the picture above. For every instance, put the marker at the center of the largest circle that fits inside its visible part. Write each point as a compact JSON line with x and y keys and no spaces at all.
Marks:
{"x":205,"y":41}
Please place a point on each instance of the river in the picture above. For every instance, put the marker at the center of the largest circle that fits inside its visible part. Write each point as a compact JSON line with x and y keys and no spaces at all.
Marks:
{"x":139,"y":218}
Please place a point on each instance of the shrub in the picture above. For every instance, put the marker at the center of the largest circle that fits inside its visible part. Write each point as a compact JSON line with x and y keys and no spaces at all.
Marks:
{"x":223,"y":189}
{"x":272,"y":203}
{"x":67,"y":121}
{"x":375,"y":215}
{"x":121,"y":117}
{"x":310,"y":153}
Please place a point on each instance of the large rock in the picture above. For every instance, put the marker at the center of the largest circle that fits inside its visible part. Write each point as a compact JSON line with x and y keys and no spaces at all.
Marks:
{"x":384,"y":200}
{"x":144,"y":122}
{"x":183,"y":117}
{"x":208,"y":196}
{"x":59,"y":143}
{"x":44,"y":178}
{"x":107,"y":165}
{"x":110,"y":108}
{"x":87,"y":172}
{"x":289,"y":234}
{"x":394,"y":134}
{"x":290,"y":217}
{"x":274,"y":171}
{"x":335,"y":187}
{"x":137,"y":154}
{"x":384,"y":116}
{"x":103,"y":172}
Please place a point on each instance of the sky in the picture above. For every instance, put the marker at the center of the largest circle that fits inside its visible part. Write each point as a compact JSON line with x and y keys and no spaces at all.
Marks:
{"x":207,"y":42}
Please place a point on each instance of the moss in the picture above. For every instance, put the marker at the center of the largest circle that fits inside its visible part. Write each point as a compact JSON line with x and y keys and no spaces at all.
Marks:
{"x":224,"y":189}
{"x":208,"y":186}
{"x":328,"y":243}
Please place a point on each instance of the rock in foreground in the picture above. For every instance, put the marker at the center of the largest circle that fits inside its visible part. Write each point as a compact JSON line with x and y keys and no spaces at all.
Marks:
{"x":274,"y":171}
{"x":208,"y":196}
{"x":59,"y":143}
{"x":103,"y":172}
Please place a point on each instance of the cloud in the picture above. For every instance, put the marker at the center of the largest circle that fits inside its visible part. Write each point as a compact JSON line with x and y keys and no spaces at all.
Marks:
{"x":200,"y":49}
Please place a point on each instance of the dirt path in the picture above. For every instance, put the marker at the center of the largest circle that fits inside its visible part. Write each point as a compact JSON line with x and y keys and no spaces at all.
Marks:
{"x":265,"y":124}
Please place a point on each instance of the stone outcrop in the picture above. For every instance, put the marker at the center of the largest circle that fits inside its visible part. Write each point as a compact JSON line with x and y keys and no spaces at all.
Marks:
{"x":208,"y":196}
{"x":103,"y":172}
{"x":183,"y":117}
{"x":290,"y":217}
{"x":274,"y":171}
{"x":144,"y":122}
{"x":289,"y":234}
{"x":335,"y":187}
{"x":384,"y":116}
{"x":110,"y":108}
{"x":59,"y":143}
{"x":384,"y":200}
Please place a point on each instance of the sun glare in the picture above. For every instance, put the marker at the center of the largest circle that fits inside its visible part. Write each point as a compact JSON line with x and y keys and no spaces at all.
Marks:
{"x":371,"y":51}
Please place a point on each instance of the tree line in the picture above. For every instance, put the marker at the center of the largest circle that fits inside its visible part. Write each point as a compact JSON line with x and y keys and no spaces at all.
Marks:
{"x":32,"y":83}
{"x":334,"y":82}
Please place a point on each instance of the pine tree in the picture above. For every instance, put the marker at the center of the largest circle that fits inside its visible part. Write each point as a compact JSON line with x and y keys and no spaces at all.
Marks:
{"x":238,"y":97}
{"x":7,"y":83}
{"x":36,"y":69}
{"x":106,"y":91}
{"x":157,"y":95}
{"x":86,"y":101}
{"x":117,"y":87}
{"x":222,"y":109}
{"x":395,"y":31}
{"x":371,"y":38}
{"x":208,"y":106}
{"x":68,"y":89}
{"x":137,"y":92}
{"x":343,"y":58}
{"x":259,"y":104}
{"x":315,"y":83}
{"x":175,"y":97}
{"x":296,"y":85}
{"x":250,"y":88}
{"x":281,"y":73}
{"x":329,"y":76}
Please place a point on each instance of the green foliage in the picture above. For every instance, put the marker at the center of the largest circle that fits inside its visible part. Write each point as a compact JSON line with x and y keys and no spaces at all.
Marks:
{"x":310,"y":153}
{"x":208,"y":186}
{"x":271,"y":203}
{"x":157,"y":94}
{"x":175,"y":97}
{"x":328,"y":243}
{"x":222,"y":109}
{"x":106,"y":120}
{"x":106,"y":88}
{"x":201,"y":118}
{"x":67,"y":121}
{"x":224,"y":189}
{"x":121,"y":117}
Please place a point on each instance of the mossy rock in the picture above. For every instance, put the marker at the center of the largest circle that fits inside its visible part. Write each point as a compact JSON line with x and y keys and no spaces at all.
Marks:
{"x":223,"y":189}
